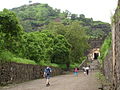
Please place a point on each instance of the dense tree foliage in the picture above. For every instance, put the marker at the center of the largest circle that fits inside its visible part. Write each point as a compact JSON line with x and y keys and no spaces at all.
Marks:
{"x":36,"y":16}
{"x":11,"y":31}
{"x":48,"y":35}
{"x":37,"y":46}
{"x":45,"y":47}
{"x":61,"y":50}
{"x":76,"y":36}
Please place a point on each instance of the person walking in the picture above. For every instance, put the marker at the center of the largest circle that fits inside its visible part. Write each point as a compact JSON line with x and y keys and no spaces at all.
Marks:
{"x":76,"y":71}
{"x":84,"y":70}
{"x":87,"y":70}
{"x":47,"y":73}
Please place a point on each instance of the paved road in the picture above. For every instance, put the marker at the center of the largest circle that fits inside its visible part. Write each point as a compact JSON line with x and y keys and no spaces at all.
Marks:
{"x":63,"y":82}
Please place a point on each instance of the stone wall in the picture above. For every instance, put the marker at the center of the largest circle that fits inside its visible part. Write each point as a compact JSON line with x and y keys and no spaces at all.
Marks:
{"x":108,"y":70}
{"x":112,"y":62}
{"x":116,"y":49}
{"x":116,"y":59}
{"x":16,"y":73}
{"x":95,"y":43}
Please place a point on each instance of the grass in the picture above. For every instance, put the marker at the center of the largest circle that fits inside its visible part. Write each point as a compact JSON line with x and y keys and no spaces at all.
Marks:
{"x":62,"y":66}
{"x":42,"y":63}
{"x":9,"y":57}
{"x":105,"y":48}
{"x":24,"y":61}
{"x":74,"y":65}
{"x":6,"y":55}
{"x":101,"y":78}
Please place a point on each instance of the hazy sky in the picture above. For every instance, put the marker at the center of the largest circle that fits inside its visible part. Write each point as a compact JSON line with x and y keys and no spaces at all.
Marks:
{"x":97,"y":9}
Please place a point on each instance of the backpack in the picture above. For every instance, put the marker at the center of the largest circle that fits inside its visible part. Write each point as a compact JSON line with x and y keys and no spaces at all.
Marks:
{"x":48,"y":71}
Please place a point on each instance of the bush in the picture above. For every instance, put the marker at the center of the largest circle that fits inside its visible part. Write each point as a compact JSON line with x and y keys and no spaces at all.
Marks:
{"x":43,"y":63}
{"x":105,"y":48}
{"x":9,"y":57}
{"x":100,"y":77}
{"x":63,"y":66}
{"x":74,"y":65}
{"x":24,"y":61}
{"x":6,"y":56}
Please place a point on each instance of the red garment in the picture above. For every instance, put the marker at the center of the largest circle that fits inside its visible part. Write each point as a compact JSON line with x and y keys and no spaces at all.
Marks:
{"x":76,"y":70}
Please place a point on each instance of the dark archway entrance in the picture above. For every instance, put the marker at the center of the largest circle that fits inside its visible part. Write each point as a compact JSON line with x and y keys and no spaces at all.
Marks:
{"x":96,"y":55}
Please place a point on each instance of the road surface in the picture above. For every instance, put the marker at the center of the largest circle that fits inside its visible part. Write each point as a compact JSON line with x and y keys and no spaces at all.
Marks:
{"x":62,"y":82}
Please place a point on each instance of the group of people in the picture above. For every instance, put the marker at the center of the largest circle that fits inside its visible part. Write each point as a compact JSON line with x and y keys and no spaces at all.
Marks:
{"x":48,"y":70}
{"x":85,"y":70}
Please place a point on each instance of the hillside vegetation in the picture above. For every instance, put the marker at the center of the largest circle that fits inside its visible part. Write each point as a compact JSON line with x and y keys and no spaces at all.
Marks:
{"x":105,"y":47}
{"x":39,"y":34}
{"x":35,"y":16}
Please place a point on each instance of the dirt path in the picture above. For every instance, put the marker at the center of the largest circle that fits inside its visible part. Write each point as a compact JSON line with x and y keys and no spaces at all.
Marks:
{"x":63,"y":82}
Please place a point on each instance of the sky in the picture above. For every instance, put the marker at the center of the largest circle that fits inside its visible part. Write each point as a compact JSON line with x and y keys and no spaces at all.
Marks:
{"x":101,"y":10}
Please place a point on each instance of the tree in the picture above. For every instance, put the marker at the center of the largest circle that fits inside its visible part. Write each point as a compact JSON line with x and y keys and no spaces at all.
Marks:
{"x":1,"y":41}
{"x":61,"y":51}
{"x":77,"y":37}
{"x":34,"y":17}
{"x":35,"y":46}
{"x":10,"y":23}
{"x":73,"y":16}
{"x":56,"y":28}
{"x":12,"y":30}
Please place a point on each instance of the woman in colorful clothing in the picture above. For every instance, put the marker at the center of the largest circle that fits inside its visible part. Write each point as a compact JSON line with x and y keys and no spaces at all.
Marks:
{"x":76,"y":71}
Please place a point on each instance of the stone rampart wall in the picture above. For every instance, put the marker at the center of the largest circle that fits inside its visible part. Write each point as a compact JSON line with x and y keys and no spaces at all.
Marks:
{"x":112,"y":61}
{"x":16,"y":73}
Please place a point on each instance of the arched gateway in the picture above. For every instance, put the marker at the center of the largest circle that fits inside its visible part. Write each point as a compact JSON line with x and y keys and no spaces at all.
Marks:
{"x":94,"y":54}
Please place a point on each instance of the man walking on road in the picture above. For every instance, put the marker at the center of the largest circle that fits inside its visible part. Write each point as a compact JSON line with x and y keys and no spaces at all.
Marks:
{"x":87,"y":70}
{"x":47,"y":73}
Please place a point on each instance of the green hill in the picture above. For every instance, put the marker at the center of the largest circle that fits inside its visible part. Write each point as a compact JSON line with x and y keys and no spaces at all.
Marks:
{"x":35,"y":16}
{"x":46,"y":36}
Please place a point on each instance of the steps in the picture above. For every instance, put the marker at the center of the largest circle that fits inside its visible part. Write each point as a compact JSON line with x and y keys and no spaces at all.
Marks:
{"x":94,"y":65}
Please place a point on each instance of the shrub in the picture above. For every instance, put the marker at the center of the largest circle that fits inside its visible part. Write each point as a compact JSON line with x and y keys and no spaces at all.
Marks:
{"x":105,"y":47}
{"x":10,"y":57}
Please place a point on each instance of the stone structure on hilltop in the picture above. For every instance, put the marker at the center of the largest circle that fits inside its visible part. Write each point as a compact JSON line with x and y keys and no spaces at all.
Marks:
{"x":94,"y":51}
